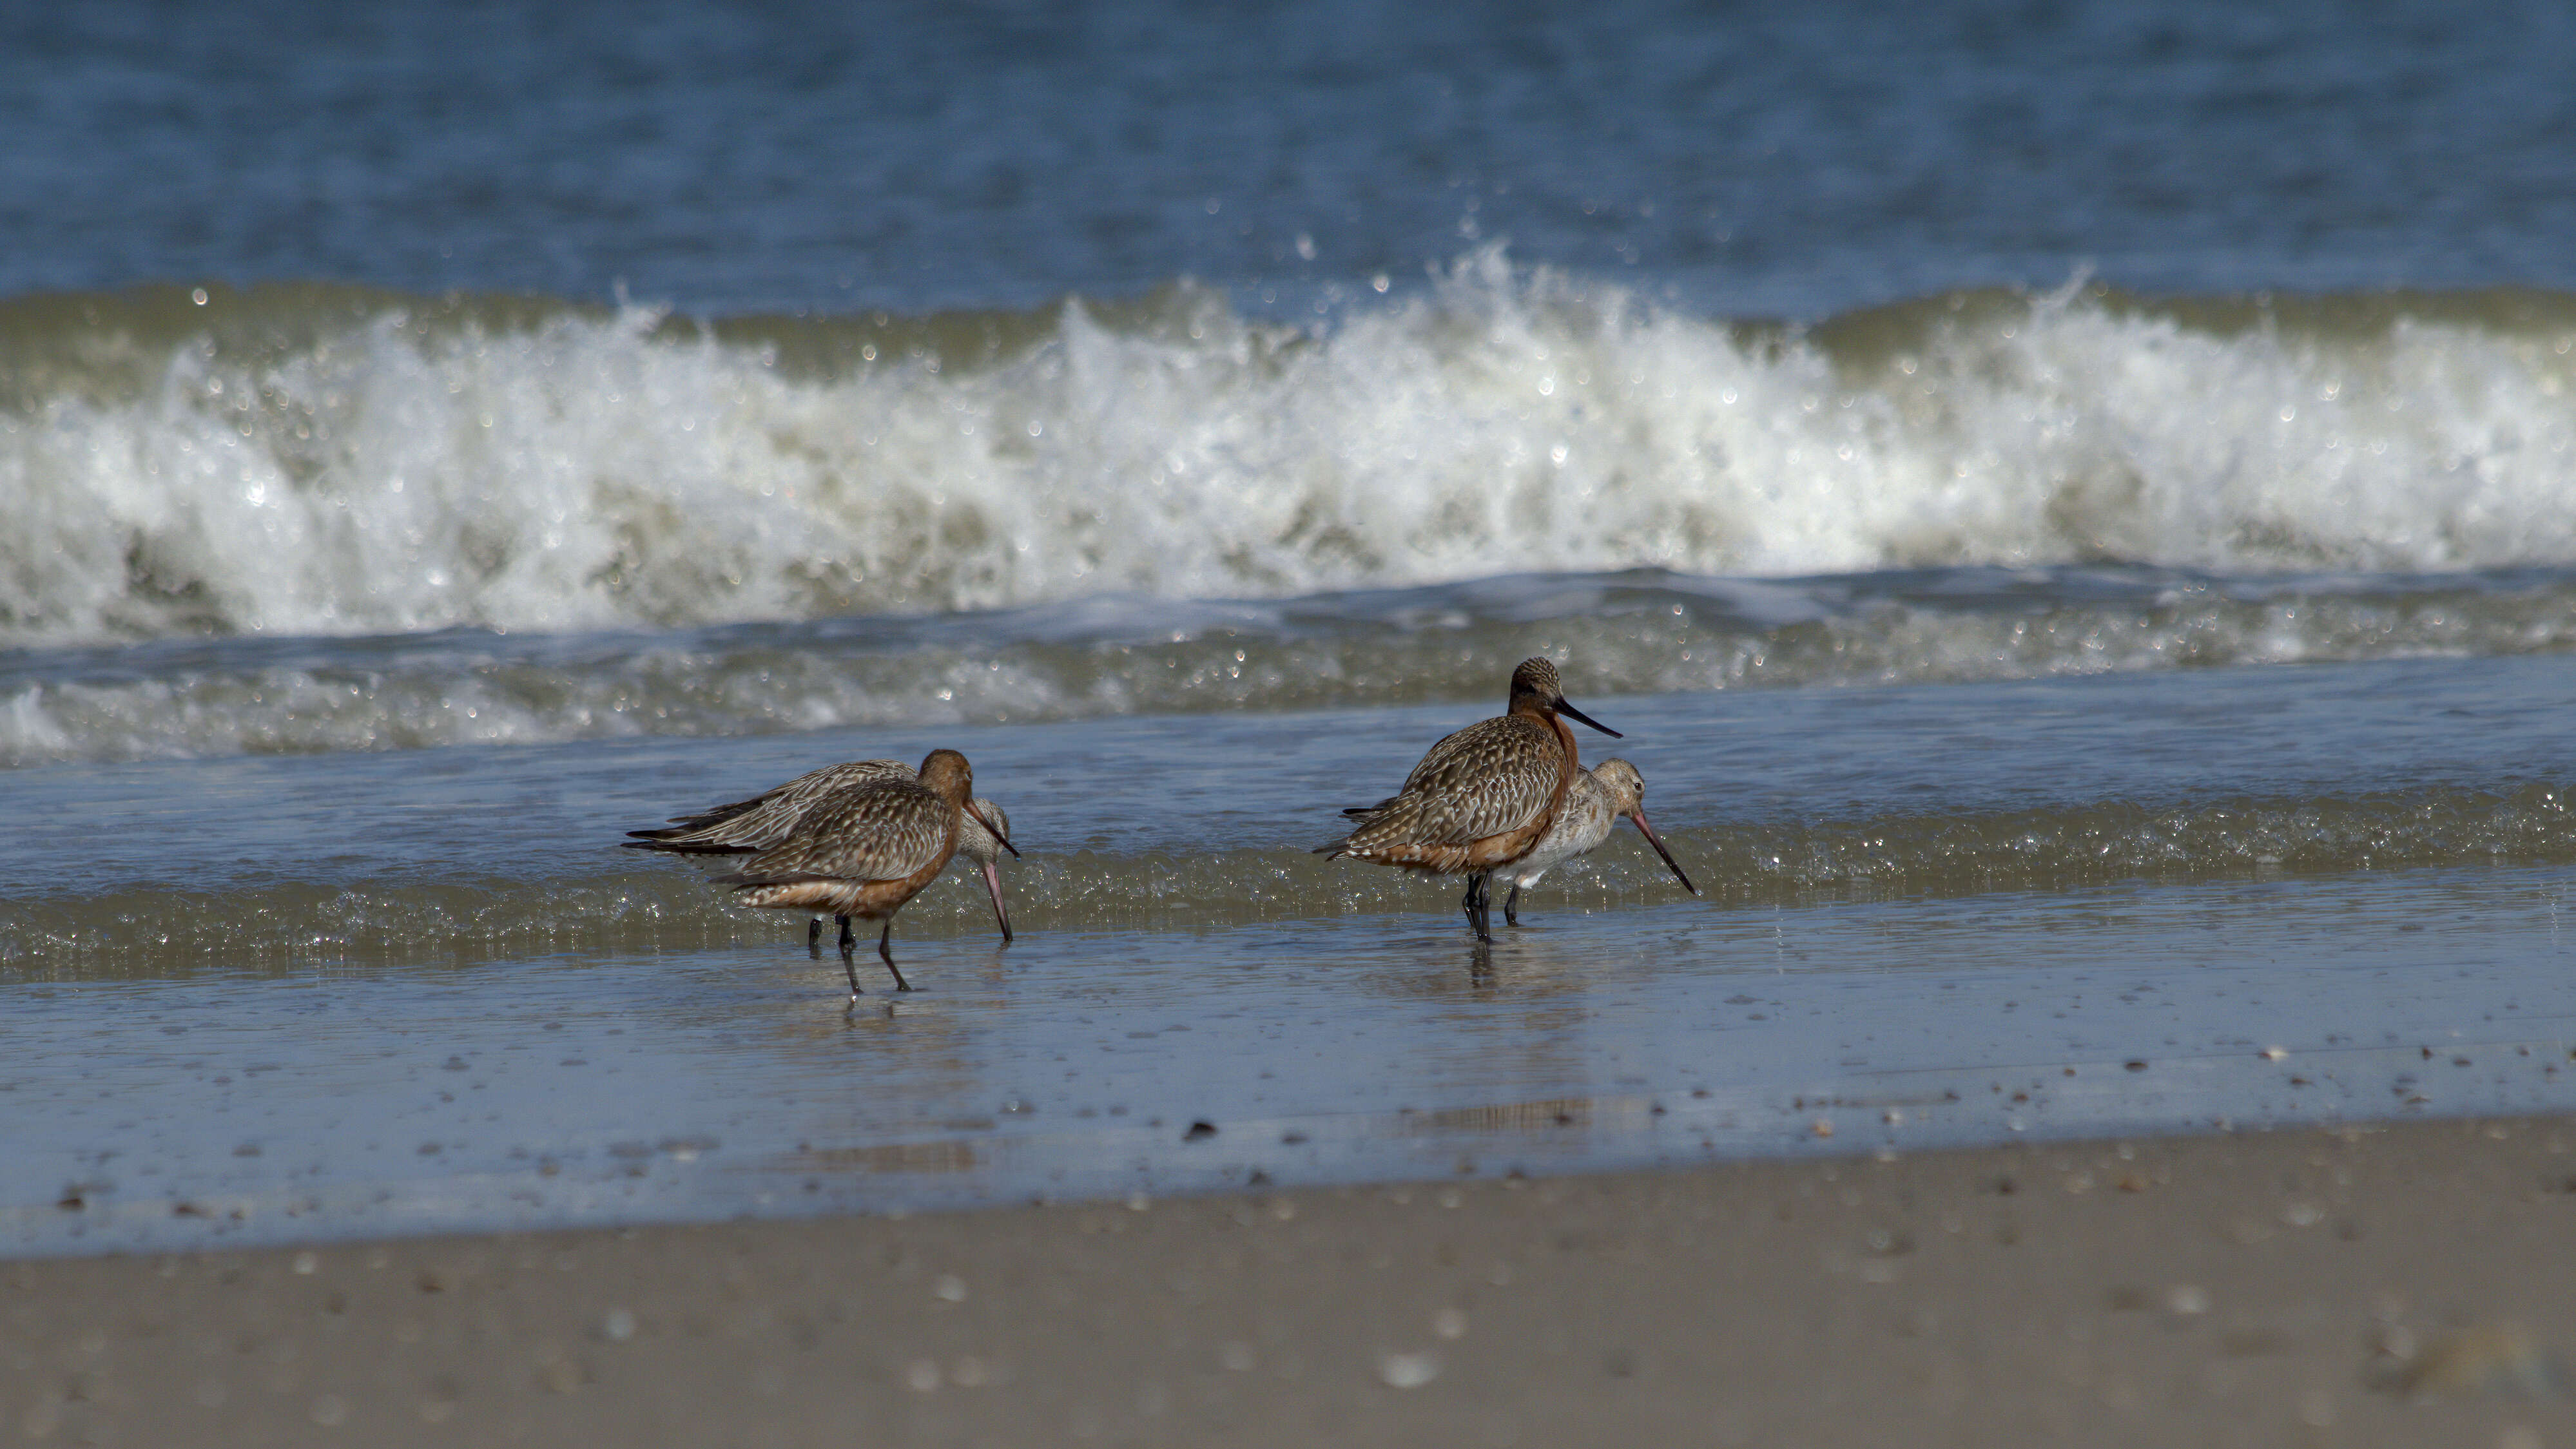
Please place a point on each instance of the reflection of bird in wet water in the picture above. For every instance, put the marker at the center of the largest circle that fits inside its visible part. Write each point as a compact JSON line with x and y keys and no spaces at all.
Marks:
{"x":1598,"y":798}
{"x":769,"y":817}
{"x":1483,"y":798}
{"x":862,"y":850}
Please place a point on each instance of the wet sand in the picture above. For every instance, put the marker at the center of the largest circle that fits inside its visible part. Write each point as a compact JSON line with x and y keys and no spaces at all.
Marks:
{"x":2399,"y":1285}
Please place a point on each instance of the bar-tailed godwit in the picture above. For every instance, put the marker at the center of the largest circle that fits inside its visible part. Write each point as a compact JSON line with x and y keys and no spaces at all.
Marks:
{"x":1483,"y":798}
{"x":769,"y":817}
{"x":860,"y":851}
{"x":1599,"y":797}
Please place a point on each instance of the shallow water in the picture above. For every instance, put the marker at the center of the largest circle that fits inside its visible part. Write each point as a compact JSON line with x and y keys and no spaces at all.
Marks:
{"x":692,"y":1084}
{"x":1201,"y":820}
{"x":314,"y":996}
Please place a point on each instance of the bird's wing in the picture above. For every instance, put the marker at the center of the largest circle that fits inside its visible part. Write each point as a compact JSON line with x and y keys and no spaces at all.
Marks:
{"x":768,"y":817}
{"x":874,"y":830}
{"x":1490,"y":778}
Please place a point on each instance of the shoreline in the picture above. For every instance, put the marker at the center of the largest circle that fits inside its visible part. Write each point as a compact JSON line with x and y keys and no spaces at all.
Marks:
{"x":2398,"y":1284}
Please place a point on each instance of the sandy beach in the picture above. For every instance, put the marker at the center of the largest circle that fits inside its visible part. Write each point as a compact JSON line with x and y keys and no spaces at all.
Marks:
{"x":2402,"y":1285}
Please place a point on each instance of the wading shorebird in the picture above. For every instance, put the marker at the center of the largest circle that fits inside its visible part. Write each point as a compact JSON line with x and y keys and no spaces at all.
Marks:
{"x":1600,"y":796}
{"x":746,"y":826}
{"x":860,"y":851}
{"x":1483,"y":798}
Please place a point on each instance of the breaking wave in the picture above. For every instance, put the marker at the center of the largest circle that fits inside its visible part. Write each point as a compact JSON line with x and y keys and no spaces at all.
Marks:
{"x":303,"y":460}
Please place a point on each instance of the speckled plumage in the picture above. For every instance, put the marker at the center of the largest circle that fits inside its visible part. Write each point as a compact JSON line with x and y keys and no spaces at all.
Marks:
{"x":1481,"y":798}
{"x":766,"y":818}
{"x":746,"y":827}
{"x":856,"y":837}
{"x":858,"y":849}
{"x":1466,"y":805}
{"x":756,"y":824}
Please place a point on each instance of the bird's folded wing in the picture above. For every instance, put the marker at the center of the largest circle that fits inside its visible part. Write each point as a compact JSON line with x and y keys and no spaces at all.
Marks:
{"x":1490,"y":778}
{"x":875,"y":830}
{"x":766,"y":818}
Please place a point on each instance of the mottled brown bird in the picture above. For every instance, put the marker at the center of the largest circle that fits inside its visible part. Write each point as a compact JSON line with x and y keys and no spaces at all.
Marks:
{"x":1600,"y":796}
{"x":746,"y":826}
{"x":1481,"y":799}
{"x":860,"y":851}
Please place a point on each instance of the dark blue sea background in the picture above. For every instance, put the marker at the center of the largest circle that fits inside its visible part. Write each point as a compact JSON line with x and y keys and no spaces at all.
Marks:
{"x":1752,"y":159}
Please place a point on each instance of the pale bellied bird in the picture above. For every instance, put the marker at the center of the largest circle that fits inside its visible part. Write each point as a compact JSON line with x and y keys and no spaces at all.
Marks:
{"x":1600,"y":796}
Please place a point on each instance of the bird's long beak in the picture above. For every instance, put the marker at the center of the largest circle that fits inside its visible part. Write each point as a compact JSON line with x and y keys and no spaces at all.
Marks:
{"x":1579,"y":717}
{"x":997,"y":835}
{"x":1648,"y":831}
{"x":993,"y":884}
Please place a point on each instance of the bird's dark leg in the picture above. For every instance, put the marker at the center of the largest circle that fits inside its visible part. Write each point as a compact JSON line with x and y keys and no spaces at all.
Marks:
{"x":885,"y":952}
{"x":814,"y":936}
{"x":849,"y":938}
{"x":850,"y":964}
{"x":1479,"y":902}
{"x":1509,"y":901}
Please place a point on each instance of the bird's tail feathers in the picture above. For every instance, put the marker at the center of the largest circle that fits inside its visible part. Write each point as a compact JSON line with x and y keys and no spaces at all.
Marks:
{"x":670,"y":841}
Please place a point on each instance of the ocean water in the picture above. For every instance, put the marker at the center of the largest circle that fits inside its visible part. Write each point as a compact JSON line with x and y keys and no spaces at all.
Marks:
{"x":2073,"y":507}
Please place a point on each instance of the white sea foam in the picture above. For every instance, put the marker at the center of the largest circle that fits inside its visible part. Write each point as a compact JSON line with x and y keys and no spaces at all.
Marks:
{"x":593,"y":472}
